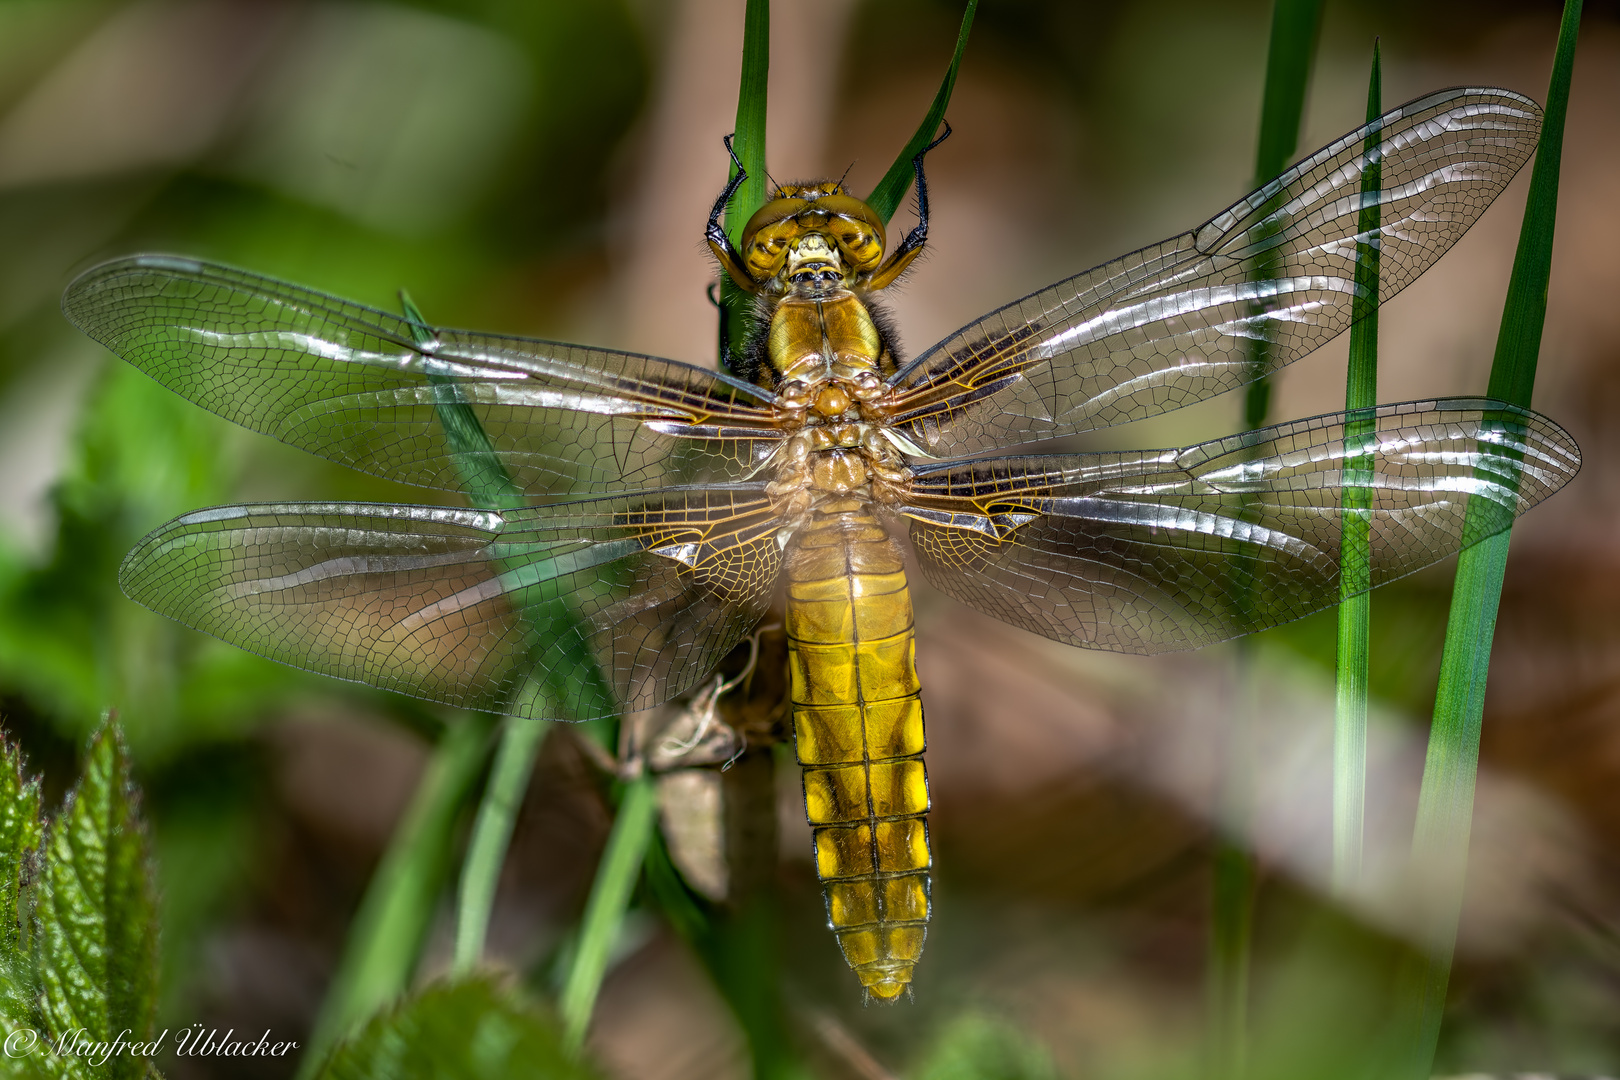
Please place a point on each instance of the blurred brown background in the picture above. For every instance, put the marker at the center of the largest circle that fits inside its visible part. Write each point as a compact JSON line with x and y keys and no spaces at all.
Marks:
{"x":545,"y":168}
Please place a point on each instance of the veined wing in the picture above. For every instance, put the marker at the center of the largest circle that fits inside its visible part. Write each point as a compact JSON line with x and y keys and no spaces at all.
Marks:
{"x":470,"y":607}
{"x":1256,"y":287}
{"x":1176,"y":549}
{"x":354,"y":385}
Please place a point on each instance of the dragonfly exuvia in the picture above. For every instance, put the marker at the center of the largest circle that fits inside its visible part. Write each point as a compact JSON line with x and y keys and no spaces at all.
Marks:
{"x":655,"y":509}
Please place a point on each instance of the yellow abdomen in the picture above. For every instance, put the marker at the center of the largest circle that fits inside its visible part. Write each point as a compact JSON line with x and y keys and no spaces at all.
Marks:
{"x":858,"y":727}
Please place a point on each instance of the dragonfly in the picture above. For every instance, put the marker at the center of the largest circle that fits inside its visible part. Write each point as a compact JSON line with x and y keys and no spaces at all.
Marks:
{"x":655,"y":510}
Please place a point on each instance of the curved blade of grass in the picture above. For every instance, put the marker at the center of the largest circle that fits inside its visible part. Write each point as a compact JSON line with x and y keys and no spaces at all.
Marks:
{"x":1446,"y":800}
{"x":386,"y":936}
{"x":604,"y":911}
{"x":1355,"y":553}
{"x":748,"y":143}
{"x":1288,"y":64}
{"x":483,"y":476}
{"x":891,"y":190}
{"x":490,"y":487}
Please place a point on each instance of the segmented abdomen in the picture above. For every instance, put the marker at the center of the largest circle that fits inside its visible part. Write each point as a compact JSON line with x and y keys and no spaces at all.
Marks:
{"x":858,"y":728}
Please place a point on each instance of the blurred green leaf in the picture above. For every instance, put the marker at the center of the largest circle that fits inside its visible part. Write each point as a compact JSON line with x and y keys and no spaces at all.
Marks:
{"x":1292,"y":47}
{"x":385,"y":939}
{"x":21,"y":832}
{"x":98,"y":912}
{"x":978,"y":1047}
{"x":471,"y":1030}
{"x":1288,"y":65}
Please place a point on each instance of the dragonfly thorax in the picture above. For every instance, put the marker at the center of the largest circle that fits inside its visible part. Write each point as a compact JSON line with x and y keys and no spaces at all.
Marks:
{"x":836,"y":458}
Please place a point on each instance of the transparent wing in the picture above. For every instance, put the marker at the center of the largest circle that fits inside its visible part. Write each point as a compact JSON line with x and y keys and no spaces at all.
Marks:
{"x":1176,"y":549}
{"x":525,"y":611}
{"x":1256,"y":287}
{"x":352,"y":384}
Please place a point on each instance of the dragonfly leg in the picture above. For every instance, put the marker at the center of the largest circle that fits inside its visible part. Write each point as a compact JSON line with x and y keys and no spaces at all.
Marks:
{"x":912,"y":245}
{"x":715,"y":232}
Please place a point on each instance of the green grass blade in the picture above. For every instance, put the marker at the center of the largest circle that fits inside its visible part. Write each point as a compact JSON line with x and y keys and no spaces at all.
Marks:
{"x":604,"y":911}
{"x":483,"y":476}
{"x":491,"y":834}
{"x":1355,"y":553}
{"x":386,"y":936}
{"x":1446,"y":802}
{"x":749,"y":139}
{"x":748,"y":142}
{"x":891,"y":190}
{"x":1231,"y":934}
{"x":1294,"y":24}
{"x":489,"y":486}
{"x":1288,"y":64}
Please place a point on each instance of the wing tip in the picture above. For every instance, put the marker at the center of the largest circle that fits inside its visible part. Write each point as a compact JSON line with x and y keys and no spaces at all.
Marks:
{"x":75,"y":298}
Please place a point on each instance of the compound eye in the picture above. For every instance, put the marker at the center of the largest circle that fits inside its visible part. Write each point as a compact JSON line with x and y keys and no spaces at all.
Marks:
{"x":862,"y":246}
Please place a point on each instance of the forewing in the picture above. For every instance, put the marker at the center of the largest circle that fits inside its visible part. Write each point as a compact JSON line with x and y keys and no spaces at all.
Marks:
{"x":367,"y":389}
{"x":1176,"y":549}
{"x":505,"y":612}
{"x":1256,"y":287}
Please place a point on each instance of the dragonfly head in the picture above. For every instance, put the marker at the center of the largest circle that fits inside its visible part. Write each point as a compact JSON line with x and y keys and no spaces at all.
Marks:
{"x":808,"y":231}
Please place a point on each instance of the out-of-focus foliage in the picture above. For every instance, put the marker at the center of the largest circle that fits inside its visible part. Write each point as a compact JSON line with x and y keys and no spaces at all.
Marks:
{"x":974,"y":1046}
{"x":80,"y":944}
{"x":457,"y":148}
{"x":473,"y":1030}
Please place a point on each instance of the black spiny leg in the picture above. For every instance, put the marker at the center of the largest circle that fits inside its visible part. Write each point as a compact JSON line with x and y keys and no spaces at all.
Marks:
{"x":715,"y":233}
{"x":912,"y":245}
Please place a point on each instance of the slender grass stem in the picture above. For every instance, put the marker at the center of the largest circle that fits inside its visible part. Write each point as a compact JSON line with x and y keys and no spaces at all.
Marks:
{"x":1294,"y":26}
{"x":1355,"y":555}
{"x":386,"y":936}
{"x":1446,"y":802}
{"x":488,"y":485}
{"x":604,"y":912}
{"x":1231,"y":933}
{"x":492,"y":832}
